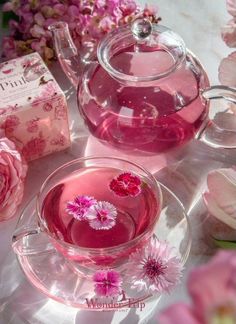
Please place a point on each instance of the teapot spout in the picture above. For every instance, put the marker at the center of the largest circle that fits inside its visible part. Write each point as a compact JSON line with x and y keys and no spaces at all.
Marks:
{"x":66,"y":51}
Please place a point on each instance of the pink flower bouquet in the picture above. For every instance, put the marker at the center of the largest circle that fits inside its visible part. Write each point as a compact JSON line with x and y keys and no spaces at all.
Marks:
{"x":12,"y":176}
{"x":87,"y":20}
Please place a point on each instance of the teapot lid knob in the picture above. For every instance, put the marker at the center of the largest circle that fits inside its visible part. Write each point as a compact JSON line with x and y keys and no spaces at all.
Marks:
{"x":141,"y":28}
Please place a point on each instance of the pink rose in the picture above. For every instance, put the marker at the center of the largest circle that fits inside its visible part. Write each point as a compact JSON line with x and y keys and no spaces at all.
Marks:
{"x":12,"y":176}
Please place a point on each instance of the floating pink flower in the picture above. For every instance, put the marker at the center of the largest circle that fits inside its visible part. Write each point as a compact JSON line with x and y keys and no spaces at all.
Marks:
{"x":126,"y":184}
{"x":107,"y":283}
{"x":102,"y":216}
{"x":154,"y":267}
{"x":212,"y":289}
{"x":79,"y":207}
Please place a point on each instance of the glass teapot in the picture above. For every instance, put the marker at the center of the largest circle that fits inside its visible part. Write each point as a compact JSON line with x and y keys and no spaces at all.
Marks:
{"x":144,"y":92}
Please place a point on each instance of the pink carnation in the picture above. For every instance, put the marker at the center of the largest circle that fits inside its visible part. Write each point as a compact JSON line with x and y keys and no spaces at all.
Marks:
{"x":126,"y":184}
{"x":80,"y":206}
{"x":107,"y":283}
{"x":102,"y":216}
{"x":12,"y":176}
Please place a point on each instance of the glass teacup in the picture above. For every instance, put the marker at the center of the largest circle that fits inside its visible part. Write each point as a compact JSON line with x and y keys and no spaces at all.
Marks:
{"x":95,"y":211}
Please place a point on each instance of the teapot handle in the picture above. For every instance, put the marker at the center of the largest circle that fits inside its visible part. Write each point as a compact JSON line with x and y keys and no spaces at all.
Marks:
{"x":28,"y":239}
{"x":215,"y":135}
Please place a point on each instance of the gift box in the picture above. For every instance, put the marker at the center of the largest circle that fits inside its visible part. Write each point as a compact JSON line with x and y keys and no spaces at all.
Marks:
{"x":33,"y":108}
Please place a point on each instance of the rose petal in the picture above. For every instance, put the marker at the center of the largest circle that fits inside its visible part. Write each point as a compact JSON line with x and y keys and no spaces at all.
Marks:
{"x":231,"y":7}
{"x":221,"y":198}
{"x":227,"y":68}
{"x":228,"y":33}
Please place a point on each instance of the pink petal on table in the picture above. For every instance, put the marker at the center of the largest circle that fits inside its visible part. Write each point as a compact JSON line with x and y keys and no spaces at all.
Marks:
{"x":228,"y":33}
{"x":227,"y":68}
{"x":221,"y":196}
{"x":178,"y":314}
{"x":231,"y":7}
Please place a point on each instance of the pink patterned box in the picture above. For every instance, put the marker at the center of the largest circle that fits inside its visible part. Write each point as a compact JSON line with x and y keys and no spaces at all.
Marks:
{"x":33,"y":109}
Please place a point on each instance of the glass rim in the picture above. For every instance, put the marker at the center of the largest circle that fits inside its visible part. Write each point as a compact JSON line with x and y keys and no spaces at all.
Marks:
{"x":106,"y":249}
{"x":117,"y":35}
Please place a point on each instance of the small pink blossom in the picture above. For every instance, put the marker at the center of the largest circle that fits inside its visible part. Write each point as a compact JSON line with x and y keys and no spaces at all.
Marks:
{"x":154,"y":267}
{"x":126,"y":184}
{"x":102,"y":216}
{"x":80,"y":206}
{"x":107,"y":283}
{"x":128,"y":7}
{"x":9,"y":47}
{"x":39,"y":19}
{"x":12,"y":176}
{"x":212,"y":290}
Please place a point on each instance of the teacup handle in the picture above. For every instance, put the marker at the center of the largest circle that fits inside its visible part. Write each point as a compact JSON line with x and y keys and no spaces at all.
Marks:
{"x":31,"y":242}
{"x":212,"y":134}
{"x":28,"y":238}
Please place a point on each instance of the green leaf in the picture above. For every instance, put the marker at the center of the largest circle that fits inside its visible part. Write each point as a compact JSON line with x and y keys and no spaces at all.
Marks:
{"x":224,"y":244}
{"x":7,"y":16}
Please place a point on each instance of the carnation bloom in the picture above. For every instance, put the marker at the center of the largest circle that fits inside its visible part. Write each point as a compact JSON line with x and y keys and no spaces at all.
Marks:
{"x":154,"y":267}
{"x":212,"y":289}
{"x":126,"y":184}
{"x":102,"y":216}
{"x":107,"y":283}
{"x":79,"y":207}
{"x":12,"y":176}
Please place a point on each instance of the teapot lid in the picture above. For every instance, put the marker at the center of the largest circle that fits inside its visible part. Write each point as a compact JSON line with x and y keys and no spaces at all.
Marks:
{"x":142,"y":52}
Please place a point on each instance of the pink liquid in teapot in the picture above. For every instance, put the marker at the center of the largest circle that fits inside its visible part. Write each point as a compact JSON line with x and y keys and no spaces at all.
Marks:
{"x":149,"y":117}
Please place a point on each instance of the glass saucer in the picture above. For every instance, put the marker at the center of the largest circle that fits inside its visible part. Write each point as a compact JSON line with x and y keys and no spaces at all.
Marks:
{"x":53,"y":275}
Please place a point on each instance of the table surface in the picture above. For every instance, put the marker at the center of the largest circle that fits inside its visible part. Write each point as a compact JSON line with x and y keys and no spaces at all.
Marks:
{"x":183,"y":171}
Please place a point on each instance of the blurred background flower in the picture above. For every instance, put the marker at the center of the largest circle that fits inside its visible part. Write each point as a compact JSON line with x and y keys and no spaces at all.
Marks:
{"x":88,"y":20}
{"x":213,"y":293}
{"x":227,"y":68}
